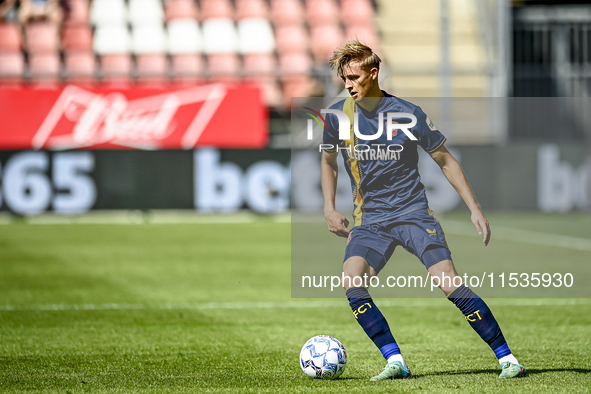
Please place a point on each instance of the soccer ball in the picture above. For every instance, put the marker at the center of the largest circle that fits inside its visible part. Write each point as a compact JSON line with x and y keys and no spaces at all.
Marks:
{"x":323,"y":357}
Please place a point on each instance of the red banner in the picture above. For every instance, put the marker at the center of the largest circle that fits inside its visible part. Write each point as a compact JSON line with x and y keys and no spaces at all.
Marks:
{"x":216,"y":115}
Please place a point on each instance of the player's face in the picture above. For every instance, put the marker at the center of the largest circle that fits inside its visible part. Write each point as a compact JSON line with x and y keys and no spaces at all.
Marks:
{"x":361,"y":83}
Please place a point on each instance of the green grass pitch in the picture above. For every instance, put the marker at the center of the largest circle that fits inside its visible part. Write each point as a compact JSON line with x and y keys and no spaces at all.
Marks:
{"x":206,"y":307}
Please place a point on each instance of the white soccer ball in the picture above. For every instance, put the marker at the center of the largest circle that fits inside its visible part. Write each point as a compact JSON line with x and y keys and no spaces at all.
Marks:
{"x":323,"y":357}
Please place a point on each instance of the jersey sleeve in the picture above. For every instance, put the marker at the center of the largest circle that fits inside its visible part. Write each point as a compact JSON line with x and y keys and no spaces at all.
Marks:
{"x":430,"y":139}
{"x":331,"y":133}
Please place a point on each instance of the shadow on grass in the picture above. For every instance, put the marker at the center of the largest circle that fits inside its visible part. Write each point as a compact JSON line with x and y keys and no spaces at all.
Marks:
{"x":496,"y":372}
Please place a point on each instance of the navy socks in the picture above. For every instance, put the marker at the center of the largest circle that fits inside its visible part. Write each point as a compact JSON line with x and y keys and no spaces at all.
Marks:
{"x":372,"y":321}
{"x":480,"y":318}
{"x":471,"y":305}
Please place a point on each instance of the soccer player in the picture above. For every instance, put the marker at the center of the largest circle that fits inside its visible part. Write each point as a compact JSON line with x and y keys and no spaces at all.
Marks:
{"x":391,"y":208}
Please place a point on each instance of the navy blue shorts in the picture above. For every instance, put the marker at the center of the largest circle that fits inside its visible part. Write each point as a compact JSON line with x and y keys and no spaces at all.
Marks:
{"x":417,"y":232}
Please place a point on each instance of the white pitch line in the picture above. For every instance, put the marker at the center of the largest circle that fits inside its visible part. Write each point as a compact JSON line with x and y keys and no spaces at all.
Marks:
{"x":288,"y":304}
{"x":523,"y":236}
{"x":135,"y":218}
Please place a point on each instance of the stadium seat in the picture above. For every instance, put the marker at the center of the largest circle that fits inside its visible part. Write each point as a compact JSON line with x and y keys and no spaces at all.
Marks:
{"x":291,"y":38}
{"x":180,"y":9}
{"x":152,"y":69}
{"x":356,"y":12}
{"x":116,"y":66}
{"x":270,"y":90}
{"x":295,"y":64}
{"x":224,"y":66}
{"x":324,"y":39}
{"x":216,"y":9}
{"x":12,"y":65}
{"x":80,"y":66}
{"x":108,"y":12}
{"x":184,"y":36}
{"x":251,"y":9}
{"x":364,"y":33}
{"x":295,"y":86}
{"x":113,"y":39}
{"x":42,"y":37}
{"x":187,"y":66}
{"x":148,"y":39}
{"x":219,"y":36}
{"x":262,"y":64}
{"x":79,"y":12}
{"x":287,"y":12}
{"x":76,"y":37}
{"x":10,"y":38}
{"x":44,"y":67}
{"x":255,"y":36}
{"x":145,"y":12}
{"x":322,"y":12}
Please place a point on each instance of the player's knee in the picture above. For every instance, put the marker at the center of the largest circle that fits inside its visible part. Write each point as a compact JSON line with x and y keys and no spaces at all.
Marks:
{"x":357,"y":272}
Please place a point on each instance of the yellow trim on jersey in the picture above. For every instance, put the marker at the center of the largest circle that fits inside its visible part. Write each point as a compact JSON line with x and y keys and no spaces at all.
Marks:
{"x":350,"y":108}
{"x":438,"y":146}
{"x":432,"y":214}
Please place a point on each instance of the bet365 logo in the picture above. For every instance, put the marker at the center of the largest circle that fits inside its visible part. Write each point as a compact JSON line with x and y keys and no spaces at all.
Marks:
{"x":345,"y":124}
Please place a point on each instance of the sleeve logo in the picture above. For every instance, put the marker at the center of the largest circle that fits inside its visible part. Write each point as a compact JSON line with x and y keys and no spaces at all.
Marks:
{"x":430,"y":124}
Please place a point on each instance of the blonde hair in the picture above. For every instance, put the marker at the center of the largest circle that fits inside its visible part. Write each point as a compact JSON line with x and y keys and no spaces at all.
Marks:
{"x":354,"y":51}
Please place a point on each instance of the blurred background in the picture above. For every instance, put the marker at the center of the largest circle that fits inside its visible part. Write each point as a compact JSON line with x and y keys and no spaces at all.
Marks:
{"x":185,"y":104}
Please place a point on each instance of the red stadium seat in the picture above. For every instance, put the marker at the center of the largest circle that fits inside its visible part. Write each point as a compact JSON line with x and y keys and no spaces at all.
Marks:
{"x":322,"y":12}
{"x":116,"y":69}
{"x":80,"y":66}
{"x":356,"y":12}
{"x":224,"y":67}
{"x":42,"y":37}
{"x":152,"y":70}
{"x":270,"y":90}
{"x":77,"y":38}
{"x":10,"y":38}
{"x":216,"y":9}
{"x":287,"y":12}
{"x":44,"y":69}
{"x":251,"y":9}
{"x":291,"y":38}
{"x":296,"y":86}
{"x":366,"y":34}
{"x":295,"y":64}
{"x":152,"y":65}
{"x":79,"y":12}
{"x":346,"y":2}
{"x":12,"y":66}
{"x":260,"y":65}
{"x":180,"y":9}
{"x":187,"y":65}
{"x":324,"y":39}
{"x":118,"y":65}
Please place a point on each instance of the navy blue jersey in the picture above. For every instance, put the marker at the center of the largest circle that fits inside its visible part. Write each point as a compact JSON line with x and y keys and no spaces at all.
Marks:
{"x":384,"y":173}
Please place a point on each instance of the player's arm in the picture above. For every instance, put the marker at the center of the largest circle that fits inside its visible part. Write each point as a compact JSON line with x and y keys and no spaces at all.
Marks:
{"x":455,"y":175}
{"x":329,"y":171}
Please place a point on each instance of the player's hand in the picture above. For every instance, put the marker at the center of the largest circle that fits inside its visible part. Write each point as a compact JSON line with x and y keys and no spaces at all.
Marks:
{"x":481,"y":225}
{"x":337,"y":223}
